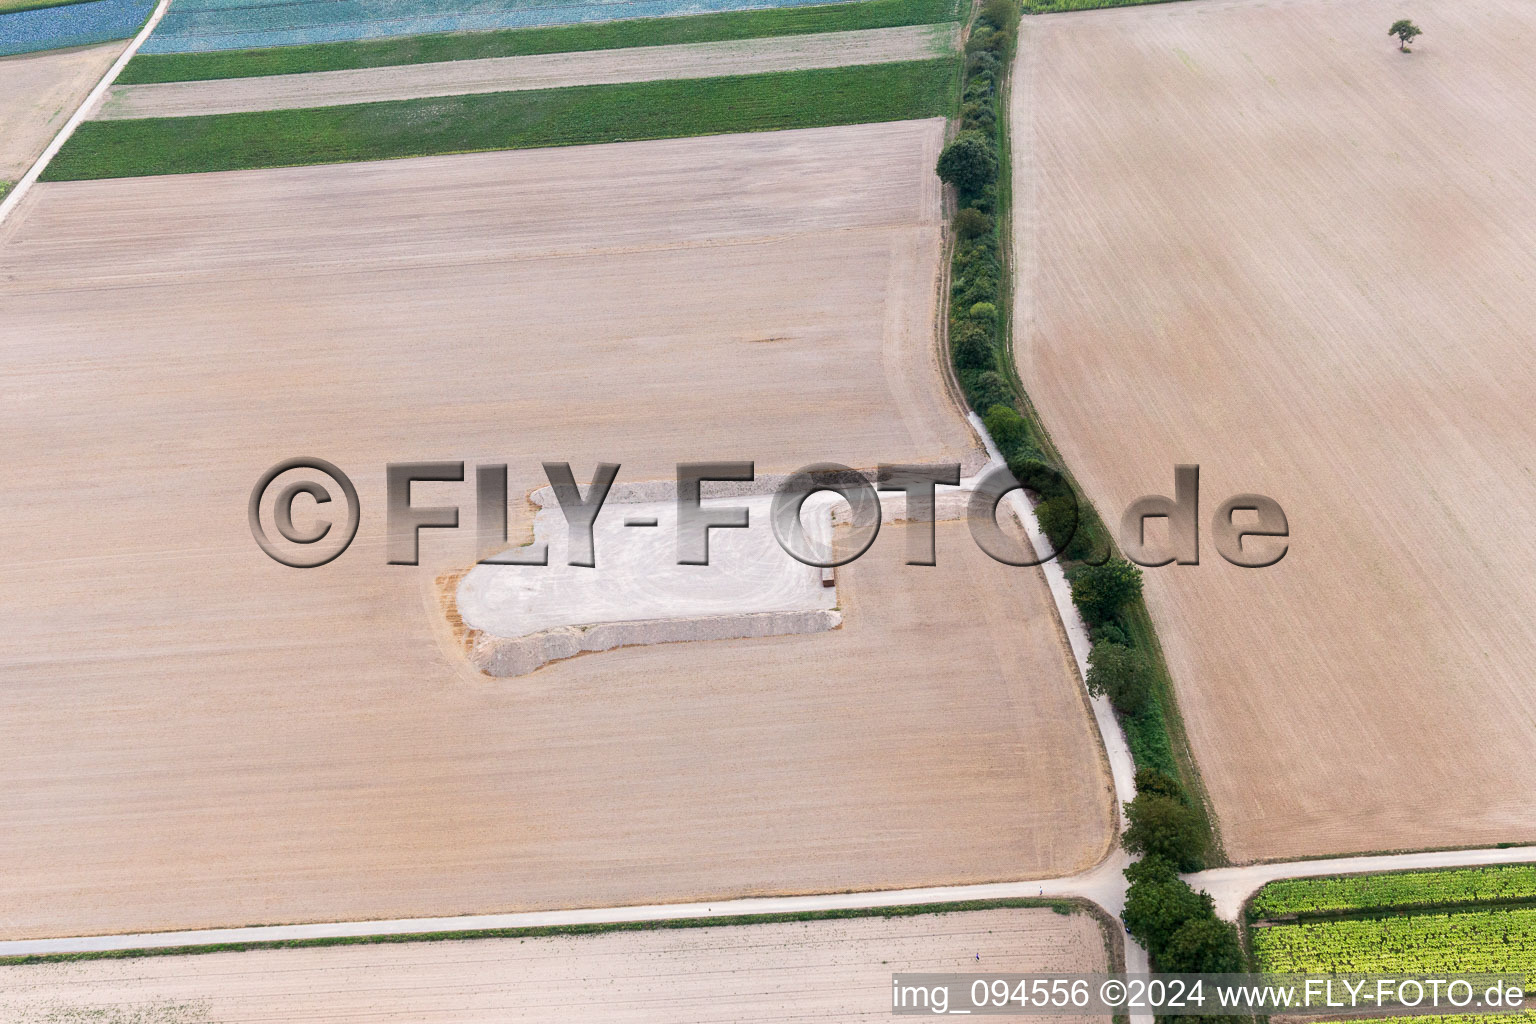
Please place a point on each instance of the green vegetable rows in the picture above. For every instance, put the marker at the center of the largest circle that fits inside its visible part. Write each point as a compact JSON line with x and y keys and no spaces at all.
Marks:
{"x":1488,"y":941}
{"x":1449,"y":887}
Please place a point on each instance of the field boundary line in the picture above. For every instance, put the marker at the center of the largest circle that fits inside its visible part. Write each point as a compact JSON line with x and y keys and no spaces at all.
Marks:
{"x":93,"y":98}
{"x":1062,"y":905}
{"x":1093,"y":886}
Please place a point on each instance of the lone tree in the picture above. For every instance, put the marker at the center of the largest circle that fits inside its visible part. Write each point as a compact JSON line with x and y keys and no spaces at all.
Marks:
{"x":967,"y":163}
{"x":1406,"y":31}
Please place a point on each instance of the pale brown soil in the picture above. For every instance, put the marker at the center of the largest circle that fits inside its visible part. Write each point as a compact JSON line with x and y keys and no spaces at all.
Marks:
{"x":817,"y":970}
{"x":541,"y":71}
{"x":1257,"y":237}
{"x":38,"y":93}
{"x":195,"y":735}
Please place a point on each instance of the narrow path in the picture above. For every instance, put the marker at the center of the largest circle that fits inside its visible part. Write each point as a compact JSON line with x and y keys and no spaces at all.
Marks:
{"x":1104,"y":885}
{"x":1231,"y":887}
{"x":541,"y":71}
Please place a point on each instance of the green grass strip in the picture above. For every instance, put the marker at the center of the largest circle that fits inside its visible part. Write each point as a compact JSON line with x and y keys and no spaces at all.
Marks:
{"x":915,"y":910}
{"x":509,"y":120}
{"x":699,"y":28}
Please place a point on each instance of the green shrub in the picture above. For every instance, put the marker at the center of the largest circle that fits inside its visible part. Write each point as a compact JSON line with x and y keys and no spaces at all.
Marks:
{"x":972,"y":347}
{"x":978,"y":117}
{"x":983,"y":60}
{"x":1001,"y":14}
{"x":1074,"y":530}
{"x":1059,"y":520}
{"x":1121,"y":674}
{"x":971,"y":223}
{"x":1150,"y":780}
{"x":985,"y":311}
{"x":1147,"y":736}
{"x":1162,"y":826}
{"x":1007,"y":428}
{"x":1100,"y":591}
{"x":985,"y":388}
{"x":1203,"y":945}
{"x":1032,"y":469}
{"x":968,"y":163}
{"x":1111,"y":632}
{"x":1158,"y":903}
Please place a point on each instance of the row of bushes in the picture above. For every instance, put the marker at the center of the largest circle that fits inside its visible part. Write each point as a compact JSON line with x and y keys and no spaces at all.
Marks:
{"x":1105,"y":588}
{"x":1165,"y":824}
{"x":1177,"y":925}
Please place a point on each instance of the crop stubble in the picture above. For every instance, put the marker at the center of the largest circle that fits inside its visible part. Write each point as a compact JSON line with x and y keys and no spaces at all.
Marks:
{"x":194,"y":735}
{"x":829,"y":969}
{"x":1258,"y":238}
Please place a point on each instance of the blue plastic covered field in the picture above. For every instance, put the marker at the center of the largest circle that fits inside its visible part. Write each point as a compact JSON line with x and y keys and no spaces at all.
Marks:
{"x":52,"y":28}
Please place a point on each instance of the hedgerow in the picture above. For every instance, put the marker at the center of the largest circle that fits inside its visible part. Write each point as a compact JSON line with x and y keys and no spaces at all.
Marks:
{"x":1106,"y":589}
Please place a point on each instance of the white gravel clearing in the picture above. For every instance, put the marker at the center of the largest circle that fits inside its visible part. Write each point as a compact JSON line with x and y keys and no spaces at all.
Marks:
{"x":541,"y":71}
{"x":637,"y":575}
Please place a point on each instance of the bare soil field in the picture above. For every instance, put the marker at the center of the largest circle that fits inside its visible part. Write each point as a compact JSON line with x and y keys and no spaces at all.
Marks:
{"x":544,"y":71}
{"x":195,"y":735}
{"x":1257,"y":237}
{"x":819,"y":970}
{"x":38,"y":93}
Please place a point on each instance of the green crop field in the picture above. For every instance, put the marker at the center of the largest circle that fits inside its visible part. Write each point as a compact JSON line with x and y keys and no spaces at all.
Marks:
{"x":698,"y":28}
{"x":1474,"y":941}
{"x":510,"y":120}
{"x":1342,"y":894}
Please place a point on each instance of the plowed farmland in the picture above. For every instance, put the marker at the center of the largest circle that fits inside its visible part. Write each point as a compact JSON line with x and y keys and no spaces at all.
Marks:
{"x":1257,"y":237}
{"x":195,"y":735}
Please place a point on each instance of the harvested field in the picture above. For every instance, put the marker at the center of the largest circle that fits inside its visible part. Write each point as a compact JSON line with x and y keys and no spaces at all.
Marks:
{"x":38,"y":93}
{"x":828,"y":969}
{"x":196,"y":735}
{"x":1258,"y":238}
{"x":542,"y":71}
